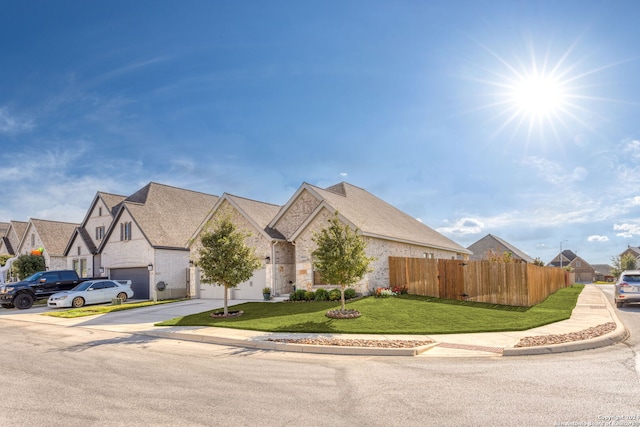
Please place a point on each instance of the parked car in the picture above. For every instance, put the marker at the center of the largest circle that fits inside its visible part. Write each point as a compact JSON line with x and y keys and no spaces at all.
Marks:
{"x":40,"y":285}
{"x":92,"y":292}
{"x":627,"y":287}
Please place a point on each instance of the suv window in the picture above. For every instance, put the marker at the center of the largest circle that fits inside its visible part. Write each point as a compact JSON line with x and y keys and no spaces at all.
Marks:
{"x":629,"y":278}
{"x":49,"y":277}
{"x":68,"y":275}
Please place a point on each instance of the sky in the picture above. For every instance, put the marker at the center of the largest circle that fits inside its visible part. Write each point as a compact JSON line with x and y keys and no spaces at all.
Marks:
{"x":514,"y":118}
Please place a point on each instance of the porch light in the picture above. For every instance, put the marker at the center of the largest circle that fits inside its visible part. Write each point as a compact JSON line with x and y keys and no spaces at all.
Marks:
{"x":150,"y":267}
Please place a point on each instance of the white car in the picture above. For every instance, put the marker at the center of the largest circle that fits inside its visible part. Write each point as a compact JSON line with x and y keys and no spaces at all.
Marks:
{"x":627,"y":287}
{"x":92,"y":292}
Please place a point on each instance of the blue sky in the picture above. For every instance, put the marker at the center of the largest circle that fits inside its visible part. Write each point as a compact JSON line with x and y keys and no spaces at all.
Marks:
{"x":516,"y":118}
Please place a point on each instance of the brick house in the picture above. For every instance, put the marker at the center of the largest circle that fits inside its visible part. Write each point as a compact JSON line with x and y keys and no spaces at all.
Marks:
{"x":584,"y":272}
{"x":498,"y":246}
{"x":12,"y":237}
{"x":52,"y":236}
{"x":82,"y":249}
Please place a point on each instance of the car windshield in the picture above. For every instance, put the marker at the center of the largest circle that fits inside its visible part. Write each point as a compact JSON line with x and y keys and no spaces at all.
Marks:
{"x":82,"y":286}
{"x":628,"y":278}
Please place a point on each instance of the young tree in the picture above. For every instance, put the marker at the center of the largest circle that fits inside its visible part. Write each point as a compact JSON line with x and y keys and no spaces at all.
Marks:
{"x":340,"y":257}
{"x":622,"y":263}
{"x":225,"y":259}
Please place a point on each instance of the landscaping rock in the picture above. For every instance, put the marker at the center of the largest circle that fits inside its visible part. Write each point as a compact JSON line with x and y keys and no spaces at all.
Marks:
{"x":585,"y":334}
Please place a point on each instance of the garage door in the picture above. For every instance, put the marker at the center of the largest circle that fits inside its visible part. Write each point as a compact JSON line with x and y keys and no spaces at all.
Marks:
{"x":251,"y":289}
{"x":139,"y":280}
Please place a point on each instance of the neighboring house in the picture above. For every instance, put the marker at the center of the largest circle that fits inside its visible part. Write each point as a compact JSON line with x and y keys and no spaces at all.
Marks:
{"x":52,"y":236}
{"x":633,"y":251}
{"x":277,"y":255}
{"x":82,"y":249}
{"x":12,"y":237}
{"x":584,"y":272}
{"x":148,"y":239}
{"x":387,"y":231}
{"x":498,"y":246}
{"x":603,"y":273}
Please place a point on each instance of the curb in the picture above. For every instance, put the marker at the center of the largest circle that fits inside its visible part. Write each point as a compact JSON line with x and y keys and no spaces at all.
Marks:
{"x":293,"y":348}
{"x":620,"y":334}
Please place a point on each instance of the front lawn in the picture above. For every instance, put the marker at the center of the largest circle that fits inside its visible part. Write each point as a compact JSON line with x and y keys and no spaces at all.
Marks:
{"x":405,"y":314}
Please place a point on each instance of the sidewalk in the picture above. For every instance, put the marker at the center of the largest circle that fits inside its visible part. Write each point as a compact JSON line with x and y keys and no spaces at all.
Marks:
{"x":592,"y":309}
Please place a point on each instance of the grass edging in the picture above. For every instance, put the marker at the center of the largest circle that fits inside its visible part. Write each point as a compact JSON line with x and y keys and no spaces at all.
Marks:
{"x":410,"y":314}
{"x":92,"y":310}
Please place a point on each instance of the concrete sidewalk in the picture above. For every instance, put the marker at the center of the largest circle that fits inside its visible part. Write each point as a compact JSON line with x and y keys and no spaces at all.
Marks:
{"x":592,"y":310}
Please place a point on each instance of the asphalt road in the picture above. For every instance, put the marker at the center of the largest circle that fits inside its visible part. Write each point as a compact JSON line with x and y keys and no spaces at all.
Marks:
{"x":54,"y":375}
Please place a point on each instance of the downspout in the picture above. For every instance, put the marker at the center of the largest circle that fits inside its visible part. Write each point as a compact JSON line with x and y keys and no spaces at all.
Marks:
{"x":276,"y":292}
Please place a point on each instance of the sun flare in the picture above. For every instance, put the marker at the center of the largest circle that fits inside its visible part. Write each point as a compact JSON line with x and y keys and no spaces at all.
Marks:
{"x":539,"y":95}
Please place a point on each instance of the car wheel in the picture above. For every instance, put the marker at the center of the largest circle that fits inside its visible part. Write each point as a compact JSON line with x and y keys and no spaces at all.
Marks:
{"x":122,"y":296}
{"x":619,"y":304}
{"x":23,"y":301}
{"x":7,"y":305}
{"x":77,"y":302}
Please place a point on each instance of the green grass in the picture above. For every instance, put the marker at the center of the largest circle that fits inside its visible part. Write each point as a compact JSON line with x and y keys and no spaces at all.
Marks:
{"x":407,"y":314}
{"x":102,"y":309}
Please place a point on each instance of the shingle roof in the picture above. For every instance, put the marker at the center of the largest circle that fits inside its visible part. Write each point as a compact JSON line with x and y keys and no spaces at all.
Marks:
{"x":112,"y":201}
{"x":19,"y":227}
{"x":168,"y":216}
{"x":4,"y":227}
{"x":377,"y":218}
{"x":604,"y":269}
{"x":53,"y":234}
{"x":489,"y":242}
{"x":260,"y":212}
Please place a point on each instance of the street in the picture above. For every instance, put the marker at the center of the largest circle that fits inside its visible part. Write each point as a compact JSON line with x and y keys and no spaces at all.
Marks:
{"x":77,"y":376}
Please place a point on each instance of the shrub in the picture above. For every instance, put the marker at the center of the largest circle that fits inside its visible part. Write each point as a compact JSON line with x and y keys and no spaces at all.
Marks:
{"x":298,"y":295}
{"x":334,"y":295}
{"x":322,"y":295}
{"x":400,"y":290}
{"x":309,"y":296}
{"x":349,"y":293}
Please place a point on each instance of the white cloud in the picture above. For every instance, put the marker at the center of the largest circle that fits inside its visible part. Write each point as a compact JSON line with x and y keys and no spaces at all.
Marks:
{"x":597,"y":238}
{"x":12,"y":124}
{"x":464,"y":226}
{"x":627,"y":230}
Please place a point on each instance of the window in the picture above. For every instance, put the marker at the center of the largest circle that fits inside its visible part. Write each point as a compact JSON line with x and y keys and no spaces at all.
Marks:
{"x":578,"y":264}
{"x":100,"y":233}
{"x":33,"y":240}
{"x":100,"y":211}
{"x":79,"y":250}
{"x":83,"y":267}
{"x":76,"y":267}
{"x":125,"y":231}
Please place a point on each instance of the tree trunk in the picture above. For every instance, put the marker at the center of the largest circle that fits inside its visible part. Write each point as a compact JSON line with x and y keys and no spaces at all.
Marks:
{"x":226,"y":308}
{"x":342,"y":296}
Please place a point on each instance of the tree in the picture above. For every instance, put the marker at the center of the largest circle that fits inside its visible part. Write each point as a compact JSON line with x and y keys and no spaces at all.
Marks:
{"x":225,"y":259}
{"x":622,"y":263}
{"x":538,"y":262}
{"x":340,"y":257}
{"x":26,"y":265}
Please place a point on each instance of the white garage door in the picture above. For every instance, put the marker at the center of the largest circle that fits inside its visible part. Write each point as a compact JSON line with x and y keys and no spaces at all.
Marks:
{"x":251,"y":289}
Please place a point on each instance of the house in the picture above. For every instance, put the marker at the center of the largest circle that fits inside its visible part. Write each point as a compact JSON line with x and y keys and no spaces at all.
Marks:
{"x":286,"y":241}
{"x":82,"y":249}
{"x":51,"y":236}
{"x":603,"y":273}
{"x":12,"y":237}
{"x":148,"y":240}
{"x":634,"y":251}
{"x":495,"y":244}
{"x":252,"y":217}
{"x":584,"y":272}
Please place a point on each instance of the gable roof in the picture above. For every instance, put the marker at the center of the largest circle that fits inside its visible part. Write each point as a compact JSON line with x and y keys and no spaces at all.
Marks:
{"x":373,"y":217}
{"x":4,"y":227}
{"x":634,"y":249}
{"x":167,"y":215}
{"x":604,"y":269}
{"x":259,"y":214}
{"x":494,"y":242}
{"x":18,"y":228}
{"x":53,"y":234}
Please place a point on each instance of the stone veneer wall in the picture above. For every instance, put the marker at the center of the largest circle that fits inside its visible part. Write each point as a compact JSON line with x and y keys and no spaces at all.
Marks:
{"x":378,"y":248}
{"x":297,"y":213}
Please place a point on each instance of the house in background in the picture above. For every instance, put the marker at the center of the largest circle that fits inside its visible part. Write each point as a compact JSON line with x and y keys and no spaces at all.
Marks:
{"x":277,"y":255}
{"x":584,"y":272}
{"x":82,"y":249}
{"x":603,"y":273}
{"x":148,"y":239}
{"x":12,"y":237}
{"x":634,"y":251}
{"x":498,"y":246}
{"x":52,"y":236}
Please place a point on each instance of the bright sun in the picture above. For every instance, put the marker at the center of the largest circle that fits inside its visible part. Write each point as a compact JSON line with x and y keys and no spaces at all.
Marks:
{"x":539,"y":95}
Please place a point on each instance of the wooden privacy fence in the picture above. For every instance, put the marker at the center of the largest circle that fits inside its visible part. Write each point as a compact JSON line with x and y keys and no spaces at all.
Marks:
{"x":518,"y":284}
